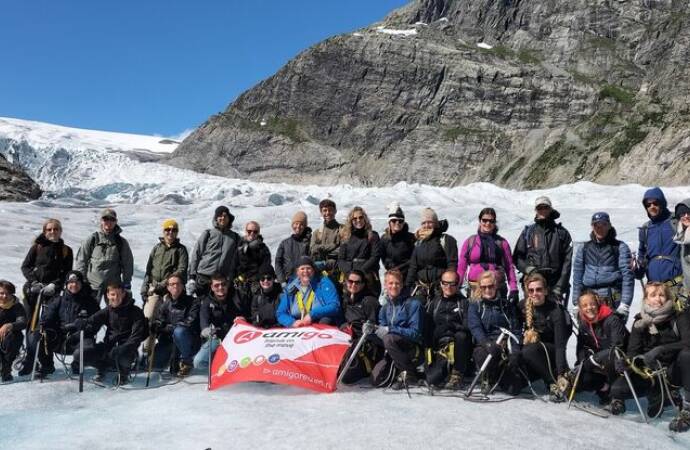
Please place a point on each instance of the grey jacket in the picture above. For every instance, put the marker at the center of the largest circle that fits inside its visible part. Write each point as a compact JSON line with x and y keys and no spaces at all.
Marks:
{"x":215,"y":252}
{"x":105,"y":258}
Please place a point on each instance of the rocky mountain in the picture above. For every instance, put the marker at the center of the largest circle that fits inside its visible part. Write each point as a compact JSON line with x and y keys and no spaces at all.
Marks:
{"x":521,"y":93}
{"x":15,"y":185}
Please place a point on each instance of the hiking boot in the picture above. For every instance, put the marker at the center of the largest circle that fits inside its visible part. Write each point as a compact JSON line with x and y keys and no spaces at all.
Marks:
{"x":604,"y":397}
{"x":556,"y":395}
{"x":681,"y":422}
{"x":404,"y":379}
{"x":6,"y":377}
{"x":25,"y":369}
{"x":617,"y":407}
{"x":99,"y":377}
{"x":184,"y":370}
{"x":74,"y":367}
{"x":454,"y":381}
{"x":123,"y":378}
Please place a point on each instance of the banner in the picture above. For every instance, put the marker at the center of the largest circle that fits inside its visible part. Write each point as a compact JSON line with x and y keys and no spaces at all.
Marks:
{"x":307,"y":357}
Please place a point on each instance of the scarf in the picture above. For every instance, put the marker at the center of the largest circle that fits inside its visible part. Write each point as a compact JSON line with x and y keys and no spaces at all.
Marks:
{"x":652,"y":317}
{"x":9,"y":303}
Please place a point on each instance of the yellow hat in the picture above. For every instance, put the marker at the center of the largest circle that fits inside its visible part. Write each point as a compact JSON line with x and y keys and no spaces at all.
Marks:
{"x":170,"y":223}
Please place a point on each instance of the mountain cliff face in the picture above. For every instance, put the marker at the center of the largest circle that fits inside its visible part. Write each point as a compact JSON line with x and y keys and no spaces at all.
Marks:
{"x":521,"y":93}
{"x":15,"y":185}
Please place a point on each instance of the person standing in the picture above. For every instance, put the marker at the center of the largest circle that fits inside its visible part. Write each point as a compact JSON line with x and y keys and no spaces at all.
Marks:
{"x":360,"y":249}
{"x":293,"y":248}
{"x":325,"y":242}
{"x":397,"y":243}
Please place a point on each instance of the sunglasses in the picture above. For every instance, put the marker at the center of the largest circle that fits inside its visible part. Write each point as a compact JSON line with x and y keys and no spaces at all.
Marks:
{"x":170,"y":230}
{"x":266,"y":278}
{"x":108,"y":219}
{"x":535,"y":290}
{"x":357,"y":218}
{"x":354,"y":281}
{"x":652,"y":203}
{"x":489,"y":221}
{"x":488,"y":286}
{"x":448,"y":283}
{"x":397,"y":221}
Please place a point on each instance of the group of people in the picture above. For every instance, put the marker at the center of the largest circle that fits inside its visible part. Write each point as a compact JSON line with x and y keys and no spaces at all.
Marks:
{"x":426,"y":329}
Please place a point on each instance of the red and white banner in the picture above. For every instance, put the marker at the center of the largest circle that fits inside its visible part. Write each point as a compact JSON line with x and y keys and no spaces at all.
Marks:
{"x":307,"y":357}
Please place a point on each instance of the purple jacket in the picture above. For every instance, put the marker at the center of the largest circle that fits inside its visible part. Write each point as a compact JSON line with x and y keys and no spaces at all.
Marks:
{"x":475,"y":268}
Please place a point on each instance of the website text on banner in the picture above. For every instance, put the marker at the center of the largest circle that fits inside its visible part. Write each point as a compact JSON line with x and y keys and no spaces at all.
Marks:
{"x":307,"y":357}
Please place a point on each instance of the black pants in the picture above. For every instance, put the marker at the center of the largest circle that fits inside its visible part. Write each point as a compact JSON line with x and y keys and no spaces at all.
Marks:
{"x":369,"y":355}
{"x":437,"y":372}
{"x":402,"y":351}
{"x":9,"y":348}
{"x":678,"y":373}
{"x":104,"y":357}
{"x":481,"y":352}
{"x":535,"y":358}
{"x":54,"y":341}
{"x":593,"y":378}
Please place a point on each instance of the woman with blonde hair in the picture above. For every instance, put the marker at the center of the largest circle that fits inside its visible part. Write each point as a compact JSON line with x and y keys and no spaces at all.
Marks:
{"x":360,"y":249}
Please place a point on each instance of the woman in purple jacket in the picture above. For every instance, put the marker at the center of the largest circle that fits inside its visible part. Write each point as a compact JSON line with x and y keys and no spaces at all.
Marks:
{"x":486,"y":250}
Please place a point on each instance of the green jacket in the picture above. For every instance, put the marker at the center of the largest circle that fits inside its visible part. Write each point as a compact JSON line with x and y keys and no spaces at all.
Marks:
{"x":163,"y":262}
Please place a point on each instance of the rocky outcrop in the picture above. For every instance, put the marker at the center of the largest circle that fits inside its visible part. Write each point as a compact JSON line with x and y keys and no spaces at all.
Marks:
{"x":522,"y":93}
{"x":15,"y":185}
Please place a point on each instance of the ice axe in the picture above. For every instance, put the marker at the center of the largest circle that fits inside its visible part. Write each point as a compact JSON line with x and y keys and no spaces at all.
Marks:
{"x":505,"y":334}
{"x":367,"y":329}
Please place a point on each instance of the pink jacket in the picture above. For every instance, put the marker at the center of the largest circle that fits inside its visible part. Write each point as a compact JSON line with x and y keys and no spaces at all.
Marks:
{"x":475,"y":267}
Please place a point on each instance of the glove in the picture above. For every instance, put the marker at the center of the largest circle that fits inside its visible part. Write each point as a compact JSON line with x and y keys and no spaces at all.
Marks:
{"x":206,"y":333}
{"x":48,"y":290}
{"x":191,"y":287}
{"x":650,"y":358}
{"x":620,"y":365}
{"x":381,"y":331}
{"x":36,"y":288}
{"x":556,"y":291}
{"x":514,"y":297}
{"x":367,"y":328}
{"x":623,"y":311}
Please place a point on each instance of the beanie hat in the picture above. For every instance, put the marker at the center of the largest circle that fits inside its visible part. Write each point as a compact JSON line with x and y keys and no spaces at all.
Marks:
{"x":267,"y":271}
{"x":543,"y":200}
{"x":429,"y":214}
{"x":395,"y":211}
{"x":304,"y":261}
{"x":74,"y":275}
{"x":170,"y":223}
{"x":681,"y":208}
{"x":300,"y":216}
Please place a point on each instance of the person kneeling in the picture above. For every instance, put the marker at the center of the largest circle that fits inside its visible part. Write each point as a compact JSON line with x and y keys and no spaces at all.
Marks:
{"x":660,"y":337}
{"x":125,"y":330}
{"x":309,"y":298}
{"x":176,"y":325}
{"x":400,"y":329}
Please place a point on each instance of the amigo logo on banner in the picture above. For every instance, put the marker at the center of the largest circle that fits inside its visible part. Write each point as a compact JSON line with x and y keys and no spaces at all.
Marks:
{"x":307,"y":357}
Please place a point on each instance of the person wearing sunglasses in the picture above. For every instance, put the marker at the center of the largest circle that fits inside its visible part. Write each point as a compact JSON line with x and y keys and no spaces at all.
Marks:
{"x":682,"y":238}
{"x":46,"y":265}
{"x":487,"y":250}
{"x":360,"y":249}
{"x":397,"y":243}
{"x":105,"y":257}
{"x":602,"y":265}
{"x":485,"y":318}
{"x":546,"y":247}
{"x":451,"y":340}
{"x":265,"y":299}
{"x":658,"y":255}
{"x":542,"y":355}
{"x":214,"y":252}
{"x":252,"y":255}
{"x":360,"y":306}
{"x":168,"y":256}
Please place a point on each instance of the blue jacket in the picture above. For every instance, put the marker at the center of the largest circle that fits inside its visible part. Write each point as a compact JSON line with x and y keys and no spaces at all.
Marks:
{"x":325,"y":304}
{"x":486,"y":317}
{"x":658,"y":251}
{"x":403,"y":316}
{"x":600,"y":266}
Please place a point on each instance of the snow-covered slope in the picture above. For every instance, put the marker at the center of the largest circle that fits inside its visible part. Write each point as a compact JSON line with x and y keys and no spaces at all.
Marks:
{"x":84,"y":170}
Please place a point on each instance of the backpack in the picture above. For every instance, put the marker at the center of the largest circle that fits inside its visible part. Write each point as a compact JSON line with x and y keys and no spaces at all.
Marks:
{"x":118,"y":244}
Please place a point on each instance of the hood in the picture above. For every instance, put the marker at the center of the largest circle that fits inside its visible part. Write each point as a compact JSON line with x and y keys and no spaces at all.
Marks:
{"x":604,"y":312}
{"x":657,"y":194}
{"x":685,"y":203}
{"x":41,"y":239}
{"x":398,"y":235}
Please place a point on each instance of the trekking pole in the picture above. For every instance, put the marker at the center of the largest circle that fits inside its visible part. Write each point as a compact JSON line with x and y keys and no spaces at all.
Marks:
{"x":577,"y":380}
{"x":367,"y":329}
{"x":485,"y":364}
{"x":82,"y":314}
{"x":632,"y":388}
{"x":35,"y":361}
{"x":211,"y":338}
{"x":151,"y":356}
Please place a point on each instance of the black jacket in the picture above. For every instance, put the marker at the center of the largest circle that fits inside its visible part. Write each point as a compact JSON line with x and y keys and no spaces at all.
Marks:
{"x":16,"y":315}
{"x":289,"y":251}
{"x":252,"y":256}
{"x":673,"y":336}
{"x":47,"y":262}
{"x":125,"y":325}
{"x":601,"y":336}
{"x":447,"y":316}
{"x":221,"y":314}
{"x":546,"y":247}
{"x":396,"y":249}
{"x":361,"y":252}
{"x":64,"y":310}
{"x":264,"y":306}
{"x":360,"y":308}
{"x":429,"y":259}
{"x":181,"y":312}
{"x":549,"y":321}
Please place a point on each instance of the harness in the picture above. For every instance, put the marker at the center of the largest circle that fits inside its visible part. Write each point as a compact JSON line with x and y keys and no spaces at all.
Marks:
{"x":300,"y":302}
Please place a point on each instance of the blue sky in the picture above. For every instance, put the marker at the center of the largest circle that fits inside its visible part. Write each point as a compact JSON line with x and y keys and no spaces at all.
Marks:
{"x":153,"y":66}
